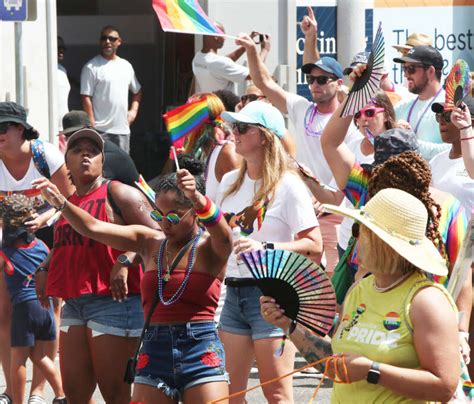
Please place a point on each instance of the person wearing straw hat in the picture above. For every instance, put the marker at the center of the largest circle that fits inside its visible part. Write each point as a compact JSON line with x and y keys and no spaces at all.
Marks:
{"x":414,"y":39}
{"x":388,"y":336}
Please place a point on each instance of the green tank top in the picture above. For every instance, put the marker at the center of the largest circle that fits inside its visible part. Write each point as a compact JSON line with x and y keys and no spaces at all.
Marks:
{"x":377,"y":325}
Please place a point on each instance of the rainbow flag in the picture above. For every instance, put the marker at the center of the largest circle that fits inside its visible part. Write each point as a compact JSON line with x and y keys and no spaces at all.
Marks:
{"x":143,"y":186}
{"x":185,"y":119}
{"x":185,"y":16}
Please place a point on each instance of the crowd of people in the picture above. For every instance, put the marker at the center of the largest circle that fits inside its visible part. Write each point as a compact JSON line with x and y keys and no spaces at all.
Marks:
{"x":152,"y":283}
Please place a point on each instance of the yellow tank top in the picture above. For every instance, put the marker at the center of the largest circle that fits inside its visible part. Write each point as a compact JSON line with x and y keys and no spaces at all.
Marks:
{"x":377,"y":325}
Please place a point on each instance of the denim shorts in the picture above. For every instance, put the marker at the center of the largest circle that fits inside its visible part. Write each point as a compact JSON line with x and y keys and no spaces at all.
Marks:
{"x":241,"y":314}
{"x":103,"y":315}
{"x":30,"y":323}
{"x":174,"y":358}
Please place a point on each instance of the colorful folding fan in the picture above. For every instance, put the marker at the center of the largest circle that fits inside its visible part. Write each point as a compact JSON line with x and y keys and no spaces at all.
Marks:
{"x":457,"y":84}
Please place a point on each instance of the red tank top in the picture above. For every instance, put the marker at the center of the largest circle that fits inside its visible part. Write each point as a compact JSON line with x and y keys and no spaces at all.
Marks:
{"x":80,"y":265}
{"x":198,"y":302}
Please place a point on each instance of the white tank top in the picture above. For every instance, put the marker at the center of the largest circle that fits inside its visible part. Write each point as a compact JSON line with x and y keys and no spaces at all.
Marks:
{"x":211,"y":180}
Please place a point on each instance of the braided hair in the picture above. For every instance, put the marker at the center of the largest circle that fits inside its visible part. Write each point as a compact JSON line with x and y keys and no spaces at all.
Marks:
{"x":409,"y":172}
{"x":169,"y":183}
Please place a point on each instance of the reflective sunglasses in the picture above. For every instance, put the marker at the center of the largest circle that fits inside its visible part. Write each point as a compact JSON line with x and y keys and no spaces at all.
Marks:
{"x":411,"y":69}
{"x":368,"y":112}
{"x":173,"y":218}
{"x":242,"y":128}
{"x":4,"y":127}
{"x":445,"y":116}
{"x":112,"y":39}
{"x":321,"y":80}
{"x":250,"y":98}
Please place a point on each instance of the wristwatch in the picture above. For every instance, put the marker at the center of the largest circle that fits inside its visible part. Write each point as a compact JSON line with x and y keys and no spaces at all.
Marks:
{"x":268,"y":246}
{"x":124,"y":260}
{"x":374,"y":373}
{"x":42,"y":269}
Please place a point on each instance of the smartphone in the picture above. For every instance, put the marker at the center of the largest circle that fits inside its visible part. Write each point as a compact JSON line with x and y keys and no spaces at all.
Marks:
{"x":258,"y":38}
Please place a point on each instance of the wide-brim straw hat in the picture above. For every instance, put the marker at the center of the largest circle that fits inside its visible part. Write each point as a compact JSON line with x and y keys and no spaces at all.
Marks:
{"x":399,"y":219}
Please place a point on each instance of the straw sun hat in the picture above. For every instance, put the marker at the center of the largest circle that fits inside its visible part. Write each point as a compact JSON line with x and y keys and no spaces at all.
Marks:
{"x":399,"y":219}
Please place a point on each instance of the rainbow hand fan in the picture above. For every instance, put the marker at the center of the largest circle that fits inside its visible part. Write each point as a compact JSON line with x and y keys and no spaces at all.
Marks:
{"x":297,"y":284}
{"x":365,"y":87}
{"x":457,"y":84}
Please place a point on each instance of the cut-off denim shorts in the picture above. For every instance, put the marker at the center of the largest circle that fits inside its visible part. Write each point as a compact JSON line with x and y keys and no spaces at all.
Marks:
{"x":241,"y":314}
{"x":104,"y":315}
{"x":174,"y":358}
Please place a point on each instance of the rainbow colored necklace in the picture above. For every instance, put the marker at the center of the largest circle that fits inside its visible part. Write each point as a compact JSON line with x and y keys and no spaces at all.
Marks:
{"x":159,"y":263}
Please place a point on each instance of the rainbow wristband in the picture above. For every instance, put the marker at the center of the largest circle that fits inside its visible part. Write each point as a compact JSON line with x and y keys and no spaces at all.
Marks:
{"x":210,"y":215}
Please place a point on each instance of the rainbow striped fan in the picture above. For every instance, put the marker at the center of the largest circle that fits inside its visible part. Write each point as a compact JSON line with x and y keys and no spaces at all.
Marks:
{"x":297,"y":284}
{"x":457,"y":84}
{"x":365,"y":87}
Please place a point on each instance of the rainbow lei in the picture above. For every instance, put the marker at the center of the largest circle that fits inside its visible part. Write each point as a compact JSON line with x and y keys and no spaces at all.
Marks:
{"x":210,"y":215}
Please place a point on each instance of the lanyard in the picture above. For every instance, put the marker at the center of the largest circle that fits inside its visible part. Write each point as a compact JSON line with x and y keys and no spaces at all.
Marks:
{"x":424,"y":112}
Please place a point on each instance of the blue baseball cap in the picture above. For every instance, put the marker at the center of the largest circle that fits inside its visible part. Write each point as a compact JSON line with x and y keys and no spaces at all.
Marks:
{"x":259,"y":113}
{"x":326,"y":63}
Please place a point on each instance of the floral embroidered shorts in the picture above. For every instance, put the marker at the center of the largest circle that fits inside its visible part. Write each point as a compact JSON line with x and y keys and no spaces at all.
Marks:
{"x":176,"y":357}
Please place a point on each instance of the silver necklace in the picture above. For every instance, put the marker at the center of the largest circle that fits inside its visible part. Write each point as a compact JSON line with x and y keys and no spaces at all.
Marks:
{"x":392,"y":285}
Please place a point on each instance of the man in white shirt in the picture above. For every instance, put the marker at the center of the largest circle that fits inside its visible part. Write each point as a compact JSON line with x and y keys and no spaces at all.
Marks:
{"x":422,"y":67}
{"x":105,"y":82}
{"x":214,"y":72}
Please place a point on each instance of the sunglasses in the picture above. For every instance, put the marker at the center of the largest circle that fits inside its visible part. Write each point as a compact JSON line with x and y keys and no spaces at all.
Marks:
{"x":411,"y":69}
{"x":4,"y":127}
{"x":369,"y":112}
{"x":445,"y":116}
{"x":112,"y":39}
{"x":242,"y":128}
{"x":321,"y":80}
{"x":250,"y":98}
{"x":173,"y":218}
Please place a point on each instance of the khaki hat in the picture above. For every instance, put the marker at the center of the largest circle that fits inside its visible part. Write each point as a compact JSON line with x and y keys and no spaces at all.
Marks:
{"x":414,"y":39}
{"x":399,"y":219}
{"x":86,"y":133}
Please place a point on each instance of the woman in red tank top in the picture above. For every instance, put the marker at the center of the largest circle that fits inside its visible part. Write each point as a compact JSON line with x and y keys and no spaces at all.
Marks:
{"x":182,"y":357}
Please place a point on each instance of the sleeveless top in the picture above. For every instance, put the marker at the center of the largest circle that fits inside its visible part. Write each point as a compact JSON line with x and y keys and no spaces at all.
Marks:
{"x":212,"y":184}
{"x":378,"y":326}
{"x":198,"y":302}
{"x":80,"y":265}
{"x":20,"y":268}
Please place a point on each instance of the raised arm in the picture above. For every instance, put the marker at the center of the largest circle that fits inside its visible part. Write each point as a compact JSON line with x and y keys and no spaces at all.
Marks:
{"x":309,"y":26}
{"x":462,"y":119}
{"x":261,"y":76}
{"x":125,"y":238}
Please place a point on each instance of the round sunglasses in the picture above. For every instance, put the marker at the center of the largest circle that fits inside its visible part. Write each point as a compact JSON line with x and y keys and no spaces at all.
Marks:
{"x":321,"y":80}
{"x":173,"y":218}
{"x":369,"y":112}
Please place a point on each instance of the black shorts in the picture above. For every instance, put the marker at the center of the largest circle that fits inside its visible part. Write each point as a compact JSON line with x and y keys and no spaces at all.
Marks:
{"x":30,"y":323}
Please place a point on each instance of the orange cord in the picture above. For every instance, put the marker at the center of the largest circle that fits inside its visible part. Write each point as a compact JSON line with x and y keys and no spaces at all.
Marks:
{"x":328,"y":362}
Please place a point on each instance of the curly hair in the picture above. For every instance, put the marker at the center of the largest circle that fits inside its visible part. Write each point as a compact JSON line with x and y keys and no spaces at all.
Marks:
{"x":16,"y":209}
{"x":168,"y":183}
{"x":409,"y":172}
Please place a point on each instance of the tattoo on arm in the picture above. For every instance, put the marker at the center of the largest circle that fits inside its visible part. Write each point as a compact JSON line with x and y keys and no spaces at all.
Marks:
{"x":314,"y":348}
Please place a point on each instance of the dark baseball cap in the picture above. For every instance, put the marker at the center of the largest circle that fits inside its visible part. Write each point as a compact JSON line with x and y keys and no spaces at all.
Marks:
{"x":75,"y":120}
{"x":361,"y":57}
{"x":86,"y":133}
{"x":438,"y":107}
{"x":424,"y":54}
{"x":326,"y":63}
{"x":393,"y":142}
{"x":13,"y":112}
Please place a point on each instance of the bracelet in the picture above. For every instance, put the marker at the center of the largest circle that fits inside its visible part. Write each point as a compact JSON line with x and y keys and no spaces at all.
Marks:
{"x":467,"y":138}
{"x":466,"y":127}
{"x":210,"y":215}
{"x":61,"y":207}
{"x":291,"y":328}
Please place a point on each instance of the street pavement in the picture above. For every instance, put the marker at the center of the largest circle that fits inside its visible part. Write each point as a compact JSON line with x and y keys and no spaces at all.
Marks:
{"x":304,"y":385}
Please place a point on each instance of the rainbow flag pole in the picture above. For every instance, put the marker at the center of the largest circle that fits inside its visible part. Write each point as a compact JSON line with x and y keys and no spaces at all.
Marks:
{"x":186,"y":17}
{"x":185,"y":119}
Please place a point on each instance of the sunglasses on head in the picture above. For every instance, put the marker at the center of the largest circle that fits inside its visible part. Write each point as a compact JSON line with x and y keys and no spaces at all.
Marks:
{"x":173,"y":218}
{"x":250,"y":98}
{"x":411,"y":69}
{"x":4,"y":127}
{"x":368,"y":112}
{"x":321,"y":80}
{"x":445,"y":116}
{"x":109,"y":37}
{"x":242,"y":128}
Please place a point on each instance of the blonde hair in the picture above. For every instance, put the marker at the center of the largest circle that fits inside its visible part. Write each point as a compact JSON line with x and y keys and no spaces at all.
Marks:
{"x":275,"y":164}
{"x":377,"y":256}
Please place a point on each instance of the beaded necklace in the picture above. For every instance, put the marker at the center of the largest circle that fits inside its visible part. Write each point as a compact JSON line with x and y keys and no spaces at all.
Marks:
{"x":423,"y":113}
{"x":308,"y":121}
{"x":159,"y":263}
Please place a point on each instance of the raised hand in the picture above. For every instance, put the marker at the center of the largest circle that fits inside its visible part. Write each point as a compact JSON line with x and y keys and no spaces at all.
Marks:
{"x":309,"y":25}
{"x":246,"y":41}
{"x":461,"y":116}
{"x":187,"y":184}
{"x":50,"y":192}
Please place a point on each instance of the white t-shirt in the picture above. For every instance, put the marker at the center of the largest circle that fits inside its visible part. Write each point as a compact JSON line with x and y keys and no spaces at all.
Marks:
{"x":450,"y":175}
{"x":63,"y":94}
{"x":214,"y":72}
{"x":290,"y":212}
{"x":422,"y":119}
{"x":212,"y":184}
{"x":308,"y":143}
{"x":108,"y":83}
